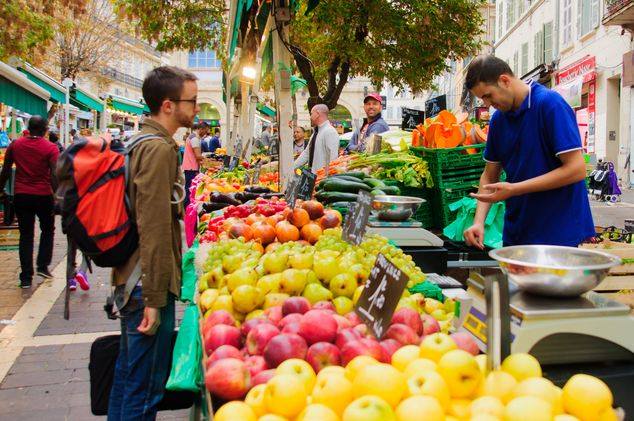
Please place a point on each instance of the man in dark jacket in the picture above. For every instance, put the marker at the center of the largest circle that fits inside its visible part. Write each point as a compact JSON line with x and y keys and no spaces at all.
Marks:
{"x":374,"y":123}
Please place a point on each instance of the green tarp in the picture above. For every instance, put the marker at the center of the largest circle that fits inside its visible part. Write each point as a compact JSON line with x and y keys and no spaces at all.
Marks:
{"x":22,"y":99}
{"x":84,"y":101}
{"x":268,"y":111}
{"x":57,"y":91}
{"x":127,"y":107}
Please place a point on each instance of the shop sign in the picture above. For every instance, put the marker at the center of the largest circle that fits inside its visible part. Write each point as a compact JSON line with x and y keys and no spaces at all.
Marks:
{"x":435,"y":106}
{"x":381,"y":295}
{"x":412,"y":118}
{"x":583,"y":68}
{"x":357,"y":219}
{"x":571,"y":92}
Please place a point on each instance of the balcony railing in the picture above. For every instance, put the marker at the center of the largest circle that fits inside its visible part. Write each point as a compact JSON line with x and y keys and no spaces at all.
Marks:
{"x":115,"y":74}
{"x":619,"y":12}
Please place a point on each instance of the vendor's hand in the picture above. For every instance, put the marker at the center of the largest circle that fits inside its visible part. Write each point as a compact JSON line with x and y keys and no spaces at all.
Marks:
{"x":151,"y":321}
{"x":498,"y":192}
{"x":474,"y":235}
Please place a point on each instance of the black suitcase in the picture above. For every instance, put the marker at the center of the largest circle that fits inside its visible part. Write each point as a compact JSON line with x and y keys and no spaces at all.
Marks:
{"x":103,"y":357}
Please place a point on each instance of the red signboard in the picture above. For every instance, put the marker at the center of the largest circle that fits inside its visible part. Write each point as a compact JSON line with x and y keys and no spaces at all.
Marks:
{"x":582,"y":68}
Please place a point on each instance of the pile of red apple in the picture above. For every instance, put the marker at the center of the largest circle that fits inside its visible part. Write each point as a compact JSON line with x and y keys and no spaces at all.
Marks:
{"x":241,"y":358}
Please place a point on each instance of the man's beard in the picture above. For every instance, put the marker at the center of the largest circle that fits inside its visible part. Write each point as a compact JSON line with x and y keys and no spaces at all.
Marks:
{"x":184,"y":120}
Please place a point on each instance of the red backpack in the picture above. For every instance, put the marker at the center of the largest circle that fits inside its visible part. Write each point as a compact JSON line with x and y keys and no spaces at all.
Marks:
{"x":92,"y":175}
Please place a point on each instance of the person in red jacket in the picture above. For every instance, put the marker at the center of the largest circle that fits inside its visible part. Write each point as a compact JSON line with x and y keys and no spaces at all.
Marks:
{"x":35,"y":159}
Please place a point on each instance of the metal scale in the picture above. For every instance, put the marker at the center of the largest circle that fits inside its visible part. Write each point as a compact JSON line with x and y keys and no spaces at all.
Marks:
{"x":589,"y":328}
{"x":404,"y":233}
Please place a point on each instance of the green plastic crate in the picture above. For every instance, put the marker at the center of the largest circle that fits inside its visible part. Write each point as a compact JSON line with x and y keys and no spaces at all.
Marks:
{"x":441,"y":200}
{"x":450,"y":157}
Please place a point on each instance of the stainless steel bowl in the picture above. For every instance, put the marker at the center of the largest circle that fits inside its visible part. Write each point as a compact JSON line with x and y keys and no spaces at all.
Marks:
{"x":554,"y":270}
{"x":395,"y":208}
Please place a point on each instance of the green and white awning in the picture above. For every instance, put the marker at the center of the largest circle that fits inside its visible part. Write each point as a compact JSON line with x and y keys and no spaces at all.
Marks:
{"x":17,"y":91}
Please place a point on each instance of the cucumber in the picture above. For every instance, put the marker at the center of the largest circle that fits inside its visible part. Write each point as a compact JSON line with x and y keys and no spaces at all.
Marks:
{"x":345,"y":177}
{"x":339,"y":204}
{"x":346,"y":186}
{"x":374,"y":183}
{"x":377,"y":192}
{"x":391,"y":190}
{"x":356,"y":174}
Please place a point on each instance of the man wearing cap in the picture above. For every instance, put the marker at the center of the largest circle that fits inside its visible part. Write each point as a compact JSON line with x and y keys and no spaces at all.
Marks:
{"x":374,"y":123}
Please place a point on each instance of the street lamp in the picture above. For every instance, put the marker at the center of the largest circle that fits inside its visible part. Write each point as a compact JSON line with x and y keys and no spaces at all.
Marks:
{"x":67,"y":83}
{"x":248,"y":75}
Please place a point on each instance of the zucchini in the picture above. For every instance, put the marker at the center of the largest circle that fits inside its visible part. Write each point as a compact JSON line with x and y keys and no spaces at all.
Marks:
{"x":335,"y":196}
{"x":377,"y":192}
{"x":356,"y":174}
{"x":340,"y":204}
{"x":374,"y":183}
{"x":341,"y":185}
{"x":345,"y":177}
{"x":391,"y":190}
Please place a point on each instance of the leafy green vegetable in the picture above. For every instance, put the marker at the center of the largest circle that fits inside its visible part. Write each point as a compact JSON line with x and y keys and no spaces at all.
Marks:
{"x":402,"y":166}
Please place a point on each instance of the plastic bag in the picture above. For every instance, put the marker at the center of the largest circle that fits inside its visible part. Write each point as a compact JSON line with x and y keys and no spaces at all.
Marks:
{"x":191,"y":221}
{"x":186,"y":374}
{"x":493,"y":225}
{"x":188,"y":286}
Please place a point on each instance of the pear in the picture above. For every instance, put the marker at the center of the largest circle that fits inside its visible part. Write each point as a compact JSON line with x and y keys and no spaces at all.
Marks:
{"x":216,"y":275}
{"x":203,"y":282}
{"x":275,"y":299}
{"x":301,"y":260}
{"x":245,"y":298}
{"x":311,"y":278}
{"x":315,"y":292}
{"x":232,"y":262}
{"x":357,"y":293}
{"x":208,"y":297}
{"x":343,"y":305}
{"x":326,"y":268}
{"x":244,"y":276}
{"x":293,"y":281}
{"x":269,"y":283}
{"x":343,"y":284}
{"x":274,"y":262}
{"x":223,"y":302}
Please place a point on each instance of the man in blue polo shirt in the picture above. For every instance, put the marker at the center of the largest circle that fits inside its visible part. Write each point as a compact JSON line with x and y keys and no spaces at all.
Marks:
{"x":533,"y":137}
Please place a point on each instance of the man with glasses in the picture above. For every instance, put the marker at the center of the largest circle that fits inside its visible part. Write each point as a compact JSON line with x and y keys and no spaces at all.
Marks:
{"x":147,"y":320}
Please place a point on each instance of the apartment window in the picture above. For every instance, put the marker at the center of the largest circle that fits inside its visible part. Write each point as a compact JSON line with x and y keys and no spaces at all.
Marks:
{"x":548,"y":42}
{"x":539,"y":48}
{"x":524,"y":58}
{"x":521,"y":8}
{"x":567,"y":22}
{"x":515,"y":62}
{"x":204,"y":59}
{"x":510,"y":13}
{"x":587,"y":16}
{"x":499,"y":16}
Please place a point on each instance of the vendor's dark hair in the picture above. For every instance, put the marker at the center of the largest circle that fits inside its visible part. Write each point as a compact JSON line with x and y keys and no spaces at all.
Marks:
{"x":38,"y":125}
{"x":165,"y":82}
{"x":52,"y":136}
{"x":486,"y":69}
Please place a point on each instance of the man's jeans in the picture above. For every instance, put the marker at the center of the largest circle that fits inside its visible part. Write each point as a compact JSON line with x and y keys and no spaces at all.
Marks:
{"x":27,"y":207}
{"x":143,"y":363}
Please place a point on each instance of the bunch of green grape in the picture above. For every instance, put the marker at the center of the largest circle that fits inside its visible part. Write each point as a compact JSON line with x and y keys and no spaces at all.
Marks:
{"x":232,"y":247}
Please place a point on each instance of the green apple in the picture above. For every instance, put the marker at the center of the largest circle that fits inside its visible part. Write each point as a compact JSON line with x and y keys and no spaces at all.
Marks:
{"x":269,"y":283}
{"x":274,"y":262}
{"x":315,"y":292}
{"x":246,"y":298}
{"x":293,"y":281}
{"x":326,"y":268}
{"x":343,"y":284}
{"x":244,"y":276}
{"x":343,"y":305}
{"x":275,"y":299}
{"x":301,"y":261}
{"x":369,"y":408}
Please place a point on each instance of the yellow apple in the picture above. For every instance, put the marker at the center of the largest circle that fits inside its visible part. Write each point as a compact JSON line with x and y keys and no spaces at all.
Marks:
{"x":243,"y":276}
{"x":293,"y":281}
{"x":301,"y":260}
{"x":223,"y":302}
{"x":405,"y":355}
{"x":528,"y":408}
{"x":285,"y":395}
{"x":274,"y":262}
{"x":487,"y":405}
{"x":420,"y":408}
{"x":235,"y":410}
{"x":540,"y":388}
{"x":317,"y":412}
{"x":343,"y":305}
{"x":269,"y":283}
{"x":358,"y":363}
{"x":208,"y":297}
{"x":460,"y":408}
{"x":326,"y":268}
{"x":343,"y":285}
{"x":334,"y":391}
{"x":336,"y":370}
{"x":255,"y":399}
{"x":381,"y":380}
{"x":436,"y":345}
{"x":301,"y":369}
{"x":429,"y":383}
{"x":586,"y":397}
{"x":499,"y":384}
{"x":369,"y":408}
{"x":461,"y":372}
{"x":274,"y":299}
{"x":432,"y":305}
{"x":522,"y":366}
{"x":246,"y":298}
{"x":419,"y":365}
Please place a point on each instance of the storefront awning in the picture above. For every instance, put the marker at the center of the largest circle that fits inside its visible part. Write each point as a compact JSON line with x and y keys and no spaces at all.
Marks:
{"x":266,"y":110}
{"x":54,"y":88}
{"x":86,"y":101}
{"x":127,"y":105}
{"x":17,"y":91}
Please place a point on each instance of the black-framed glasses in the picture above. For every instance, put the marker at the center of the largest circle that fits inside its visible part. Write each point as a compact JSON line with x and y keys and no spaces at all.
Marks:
{"x":193,"y":101}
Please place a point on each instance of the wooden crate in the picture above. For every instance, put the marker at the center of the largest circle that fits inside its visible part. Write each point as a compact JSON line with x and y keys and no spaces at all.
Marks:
{"x":623,"y":250}
{"x":9,"y":236}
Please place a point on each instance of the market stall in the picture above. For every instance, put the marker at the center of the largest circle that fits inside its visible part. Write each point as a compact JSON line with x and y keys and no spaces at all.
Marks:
{"x":299,"y":313}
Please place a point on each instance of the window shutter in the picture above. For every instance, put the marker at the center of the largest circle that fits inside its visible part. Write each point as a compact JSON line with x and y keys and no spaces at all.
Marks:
{"x":515,"y":62}
{"x":524,"y":58}
{"x":548,"y":42}
{"x":595,"y":12}
{"x":539,"y":48}
{"x":579,"y":17}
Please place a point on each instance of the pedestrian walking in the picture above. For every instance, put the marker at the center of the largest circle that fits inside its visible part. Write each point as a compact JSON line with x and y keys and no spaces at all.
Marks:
{"x":147,"y":319}
{"x":35,"y":159}
{"x":323,"y":146}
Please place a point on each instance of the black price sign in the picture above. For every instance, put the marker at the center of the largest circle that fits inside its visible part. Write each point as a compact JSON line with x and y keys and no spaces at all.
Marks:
{"x":226,"y":159}
{"x":435,"y":106}
{"x":292,"y":190}
{"x":233,"y":163}
{"x":306,"y":185}
{"x":381,"y":295}
{"x":412,"y":118}
{"x":357,"y":219}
